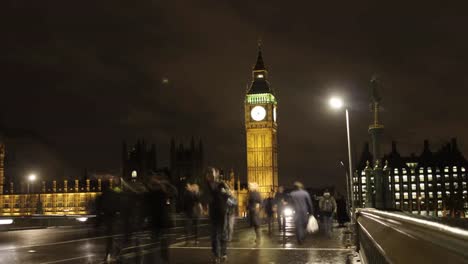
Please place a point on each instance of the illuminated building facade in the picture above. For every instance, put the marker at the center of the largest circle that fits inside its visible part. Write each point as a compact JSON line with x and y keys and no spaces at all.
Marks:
{"x":261,"y":130}
{"x":433,"y":183}
{"x":67,"y":197}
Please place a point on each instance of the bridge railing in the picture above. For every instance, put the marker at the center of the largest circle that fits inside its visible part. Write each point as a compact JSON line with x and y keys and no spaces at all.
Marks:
{"x":397,"y":237}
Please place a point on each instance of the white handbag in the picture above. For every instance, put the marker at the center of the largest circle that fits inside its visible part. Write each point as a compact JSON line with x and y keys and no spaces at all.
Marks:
{"x":312,"y":225}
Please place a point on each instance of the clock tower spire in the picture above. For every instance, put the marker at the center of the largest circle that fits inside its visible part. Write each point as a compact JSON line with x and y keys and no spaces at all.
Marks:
{"x":261,"y":129}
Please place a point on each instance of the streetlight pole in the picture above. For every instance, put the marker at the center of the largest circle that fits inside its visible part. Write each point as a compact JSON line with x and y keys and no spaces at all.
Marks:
{"x":337,"y":103}
{"x":350,"y":175}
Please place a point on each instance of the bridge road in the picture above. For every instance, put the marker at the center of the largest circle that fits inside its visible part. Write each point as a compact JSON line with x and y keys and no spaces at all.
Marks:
{"x":275,"y":248}
{"x":82,"y":245}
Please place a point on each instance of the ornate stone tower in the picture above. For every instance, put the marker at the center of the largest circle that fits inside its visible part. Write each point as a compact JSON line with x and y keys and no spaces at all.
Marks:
{"x":261,"y":130}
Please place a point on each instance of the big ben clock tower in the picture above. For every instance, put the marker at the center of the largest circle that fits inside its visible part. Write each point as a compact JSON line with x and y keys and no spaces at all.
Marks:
{"x":261,"y":130}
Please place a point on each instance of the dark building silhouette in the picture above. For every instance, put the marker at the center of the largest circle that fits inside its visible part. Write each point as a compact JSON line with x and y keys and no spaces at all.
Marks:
{"x":428,"y":183}
{"x":186,"y":162}
{"x":139,"y":161}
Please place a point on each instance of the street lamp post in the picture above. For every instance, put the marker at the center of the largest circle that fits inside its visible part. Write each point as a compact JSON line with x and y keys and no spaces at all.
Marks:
{"x":31,"y":178}
{"x":337,"y":103}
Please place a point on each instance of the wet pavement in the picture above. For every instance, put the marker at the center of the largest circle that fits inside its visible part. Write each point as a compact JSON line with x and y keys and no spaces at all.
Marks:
{"x":81,"y":245}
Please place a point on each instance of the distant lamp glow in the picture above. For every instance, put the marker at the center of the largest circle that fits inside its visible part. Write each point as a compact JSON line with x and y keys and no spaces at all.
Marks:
{"x":32,"y":177}
{"x":336,"y":102}
{"x":134,"y":174}
{"x":82,"y":219}
{"x":260,"y":76}
{"x":6,"y":221}
{"x":288,"y":212}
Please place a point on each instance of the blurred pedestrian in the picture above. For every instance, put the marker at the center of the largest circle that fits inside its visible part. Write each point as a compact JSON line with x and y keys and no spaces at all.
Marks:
{"x":232,"y":212}
{"x":281,"y":202}
{"x":254,"y":202}
{"x":108,"y":207}
{"x":158,"y":205}
{"x":341,"y":211}
{"x":218,"y":207}
{"x":192,"y":210}
{"x":327,"y":205}
{"x":269,"y":207}
{"x":302,"y":209}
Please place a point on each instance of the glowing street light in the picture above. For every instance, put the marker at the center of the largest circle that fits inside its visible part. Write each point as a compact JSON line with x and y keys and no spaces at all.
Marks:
{"x":336,"y":102}
{"x":32,"y":177}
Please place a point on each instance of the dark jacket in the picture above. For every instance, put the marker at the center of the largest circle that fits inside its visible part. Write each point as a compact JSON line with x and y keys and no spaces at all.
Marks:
{"x":219,"y":194}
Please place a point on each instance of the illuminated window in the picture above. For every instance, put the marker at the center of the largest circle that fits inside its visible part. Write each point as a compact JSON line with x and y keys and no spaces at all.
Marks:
{"x":422,"y":186}
{"x":134,"y":174}
{"x":413,"y":187}
{"x":397,"y":187}
{"x":413,"y":178}
{"x":363,"y":180}
{"x":429,"y":170}
{"x":397,"y":196}
{"x":395,"y":171}
{"x":429,"y":185}
{"x":260,"y":76}
{"x":404,"y":171}
{"x":413,"y":195}
{"x":438,"y":185}
{"x":431,"y":195}
{"x":405,"y":187}
{"x":447,"y":192}
{"x":421,"y":178}
{"x":464,"y":185}
{"x":455,"y":185}
{"x":455,"y":175}
{"x":438,"y":176}
{"x":397,"y":203}
{"x":454,"y":168}
{"x":439,"y":195}
{"x":355,"y":179}
{"x":462,"y":168}
{"x":397,"y":178}
{"x":363,"y":173}
{"x":405,"y":195}
{"x":446,"y":169}
{"x":447,"y":185}
{"x":421,"y":170}
{"x":422,"y":195}
{"x":446,"y":176}
{"x":405,"y":178}
{"x":429,"y":177}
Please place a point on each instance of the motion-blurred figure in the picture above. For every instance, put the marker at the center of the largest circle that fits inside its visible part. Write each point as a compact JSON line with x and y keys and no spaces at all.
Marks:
{"x":341,"y":211}
{"x":269,"y":207}
{"x":232,"y":212}
{"x":254,"y":205}
{"x":327,"y":207}
{"x":302,"y":209}
{"x":108,"y":208}
{"x":218,"y":211}
{"x":158,"y":206}
{"x":193,"y":210}
{"x":281,"y":202}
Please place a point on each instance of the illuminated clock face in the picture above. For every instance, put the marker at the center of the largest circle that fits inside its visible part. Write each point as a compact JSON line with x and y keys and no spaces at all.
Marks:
{"x":274,"y":114}
{"x":258,"y":113}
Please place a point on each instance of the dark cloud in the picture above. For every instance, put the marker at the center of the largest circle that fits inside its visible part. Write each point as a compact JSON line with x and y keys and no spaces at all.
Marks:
{"x":85,"y":75}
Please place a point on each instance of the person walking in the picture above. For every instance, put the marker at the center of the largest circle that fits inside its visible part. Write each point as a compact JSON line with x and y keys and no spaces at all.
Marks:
{"x":341,"y":211}
{"x":192,"y":210}
{"x":281,"y":202}
{"x":218,"y":207}
{"x":303,"y":208}
{"x":254,"y":202}
{"x":327,"y":205}
{"x":269,"y":206}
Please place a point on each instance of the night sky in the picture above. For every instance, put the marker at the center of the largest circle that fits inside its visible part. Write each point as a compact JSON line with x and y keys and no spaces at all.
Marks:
{"x":78,"y":77}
